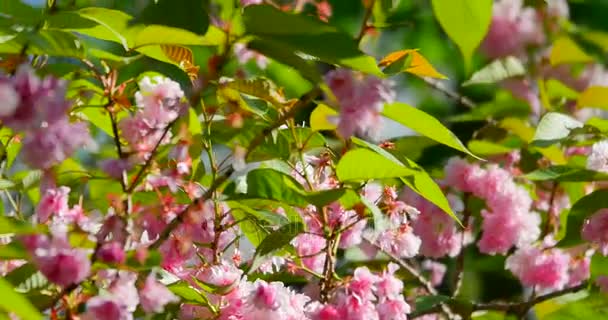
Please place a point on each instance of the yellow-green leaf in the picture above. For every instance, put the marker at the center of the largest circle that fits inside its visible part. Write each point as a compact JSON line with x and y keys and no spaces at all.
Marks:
{"x":466,"y":22}
{"x":424,"y":124}
{"x":526,"y":133}
{"x":319,"y":118}
{"x":567,"y":51}
{"x":14,"y":302}
{"x":597,"y":37}
{"x":594,"y":97}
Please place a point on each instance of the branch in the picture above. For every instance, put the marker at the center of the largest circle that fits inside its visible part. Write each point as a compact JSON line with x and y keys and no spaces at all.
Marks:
{"x":521,"y":308}
{"x":435,"y":84}
{"x":442,"y":307}
{"x":305,"y":100}
{"x":368,"y":14}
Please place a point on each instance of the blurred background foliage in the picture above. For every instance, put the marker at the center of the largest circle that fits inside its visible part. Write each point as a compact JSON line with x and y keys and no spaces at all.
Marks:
{"x":398,"y":24}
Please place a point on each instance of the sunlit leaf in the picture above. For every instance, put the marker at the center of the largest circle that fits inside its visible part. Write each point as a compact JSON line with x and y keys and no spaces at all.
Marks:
{"x":594,"y":97}
{"x":565,"y":50}
{"x":305,"y":34}
{"x":580,"y":211}
{"x":424,"y":124}
{"x":554,"y":127}
{"x":497,"y":71}
{"x":466,"y":22}
{"x":16,"y":303}
{"x":319,"y":118}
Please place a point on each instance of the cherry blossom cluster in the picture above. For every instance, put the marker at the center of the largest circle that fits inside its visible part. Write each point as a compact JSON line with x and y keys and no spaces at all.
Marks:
{"x":361,"y":100}
{"x":38,"y":108}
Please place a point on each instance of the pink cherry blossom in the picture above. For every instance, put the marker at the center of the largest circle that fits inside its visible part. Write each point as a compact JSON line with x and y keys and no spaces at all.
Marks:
{"x":594,"y":230}
{"x":160,"y":100}
{"x":461,"y":174}
{"x":244,"y":55}
{"x":154,"y":295}
{"x":41,"y":101}
{"x":245,"y":3}
{"x":393,"y":309}
{"x":57,"y":260}
{"x":401,"y":241}
{"x":106,"y":308}
{"x":225,"y":275}
{"x":546,"y":270}
{"x":388,"y":285}
{"x":54,"y":201}
{"x":580,"y":270}
{"x":363,"y":283}
{"x":10,"y":99}
{"x":310,"y":248}
{"x":115,"y":167}
{"x":123,"y":288}
{"x":111,"y":252}
{"x":437,"y":231}
{"x":361,"y":99}
{"x":512,"y":30}
{"x":437,"y":271}
{"x":50,"y":145}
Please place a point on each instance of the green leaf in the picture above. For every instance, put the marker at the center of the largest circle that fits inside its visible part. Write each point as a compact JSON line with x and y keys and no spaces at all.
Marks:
{"x":488,"y":148}
{"x":18,"y":12}
{"x":598,"y":123}
{"x":21,"y":274}
{"x":9,"y":225}
{"x":156,"y":35}
{"x":276,"y":51}
{"x":6,"y":184}
{"x":554,"y":127}
{"x":12,"y":251}
{"x":410,"y":173}
{"x":279,"y":238}
{"x":565,"y":173}
{"x":16,"y":303}
{"x":189,"y":15}
{"x":299,"y":33}
{"x":424,"y":124}
{"x":595,"y":306}
{"x":424,"y":303}
{"x":466,"y":22}
{"x":319,"y":118}
{"x":496,"y":71}
{"x":276,"y":241}
{"x":188,"y":294}
{"x":250,"y":226}
{"x":564,"y":50}
{"x":110,"y":25}
{"x":98,"y":117}
{"x":275,"y":185}
{"x":582,"y":210}
{"x":376,"y":166}
{"x":260,"y":88}
{"x":46,"y":42}
{"x":593,"y":97}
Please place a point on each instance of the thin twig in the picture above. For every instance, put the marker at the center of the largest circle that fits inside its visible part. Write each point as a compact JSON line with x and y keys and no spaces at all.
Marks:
{"x":368,"y":14}
{"x":460,"y":260}
{"x":435,"y":84}
{"x":521,"y":308}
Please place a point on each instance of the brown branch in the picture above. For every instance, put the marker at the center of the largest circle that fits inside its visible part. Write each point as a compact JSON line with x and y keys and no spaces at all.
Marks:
{"x":521,"y":308}
{"x":435,"y":84}
{"x":304,"y":101}
{"x":364,"y":25}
